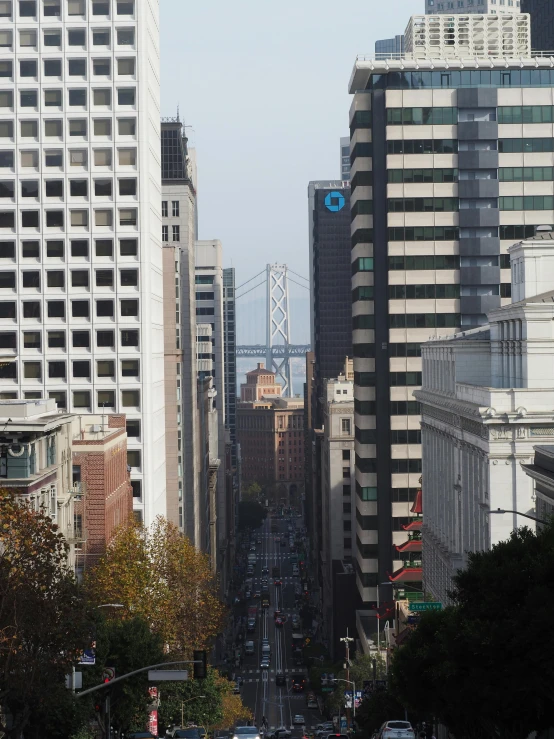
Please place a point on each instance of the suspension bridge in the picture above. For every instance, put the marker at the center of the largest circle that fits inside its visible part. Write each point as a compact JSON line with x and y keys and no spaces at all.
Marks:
{"x":278,"y":349}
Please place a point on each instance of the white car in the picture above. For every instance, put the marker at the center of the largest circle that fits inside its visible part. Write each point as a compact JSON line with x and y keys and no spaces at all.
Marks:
{"x":246,"y":732}
{"x":298,"y":719}
{"x":396,"y":730}
{"x":281,"y":732}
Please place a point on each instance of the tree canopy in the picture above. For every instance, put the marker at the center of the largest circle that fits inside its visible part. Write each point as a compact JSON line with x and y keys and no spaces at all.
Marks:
{"x":43,"y":619}
{"x":157,"y":574}
{"x":489,"y":655}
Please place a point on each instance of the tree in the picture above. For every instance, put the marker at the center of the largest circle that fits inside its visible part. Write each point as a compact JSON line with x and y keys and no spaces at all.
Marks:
{"x":252,"y":492}
{"x":158,"y":575}
{"x":43,"y":619}
{"x":361,"y":669}
{"x":251,"y":515}
{"x":219,"y":708}
{"x":379,"y":707}
{"x":490,"y":653}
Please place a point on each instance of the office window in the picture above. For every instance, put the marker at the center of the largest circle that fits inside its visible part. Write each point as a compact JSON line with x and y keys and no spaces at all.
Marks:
{"x":104,"y":278}
{"x":77,"y":98}
{"x":53,"y":158}
{"x":106,"y":399}
{"x":129,"y":338}
{"x":130,"y":398}
{"x":102,"y":97}
{"x":81,"y":399}
{"x":8,"y":340}
{"x":125,"y":7}
{"x":52,"y":68}
{"x":28,"y":37}
{"x":7,"y":219}
{"x":29,"y":129}
{"x":7,"y":310}
{"x":80,"y":278}
{"x":128,"y":187}
{"x":104,"y":247}
{"x":56,"y":339}
{"x":6,"y":129}
{"x":78,"y":188}
{"x":127,"y":157}
{"x":133,"y":428}
{"x":27,"y":68}
{"x":126,"y":96}
{"x":56,"y":309}
{"x":27,"y":8}
{"x":7,"y":190}
{"x":125,"y":36}
{"x":28,"y":98}
{"x":105,"y":308}
{"x":6,"y":159}
{"x":31,"y":280}
{"x":105,"y":339}
{"x":78,"y":158}
{"x":78,"y":127}
{"x":176,"y":233}
{"x":136,"y":484}
{"x":133,"y":457}
{"x":128,"y":247}
{"x":53,"y":98}
{"x":175,"y":208}
{"x":105,"y":368}
{"x":52,"y":7}
{"x":55,"y":278}
{"x":30,"y":219}
{"x":32,"y":370}
{"x":101,"y":67}
{"x":7,"y":280}
{"x":126,"y":67}
{"x":81,"y":368}
{"x":100,"y":7}
{"x":165,"y":233}
{"x":81,"y":339}
{"x":55,"y":249}
{"x":164,"y":209}
{"x":76,"y":37}
{"x":102,"y":127}
{"x":30,"y":249}
{"x":60,"y":398}
{"x":130,"y":368}
{"x":75,"y":7}
{"x":103,"y":188}
{"x":103,"y":157}
{"x":51,"y":38}
{"x":79,"y":218}
{"x":31,"y":309}
{"x":129,"y":308}
{"x":127,"y":217}
{"x":57,"y":370}
{"x":30,"y":159}
{"x":103,"y":217}
{"x":5,"y":8}
{"x":79,"y":248}
{"x":129,"y":277}
{"x":77,"y":67}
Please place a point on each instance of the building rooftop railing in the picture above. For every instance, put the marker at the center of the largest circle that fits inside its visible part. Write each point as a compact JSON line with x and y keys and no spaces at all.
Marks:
{"x":420,"y":56}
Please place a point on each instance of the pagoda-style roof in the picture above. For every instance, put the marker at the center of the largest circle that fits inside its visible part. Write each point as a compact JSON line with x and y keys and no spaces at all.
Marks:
{"x":412,"y":545}
{"x":414,"y":525}
{"x":407,"y":574}
{"x":418,"y":504}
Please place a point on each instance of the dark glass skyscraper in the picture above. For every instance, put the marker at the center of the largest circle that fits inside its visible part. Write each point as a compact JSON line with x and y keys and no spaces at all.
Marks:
{"x":330,"y":278}
{"x":542,"y":23}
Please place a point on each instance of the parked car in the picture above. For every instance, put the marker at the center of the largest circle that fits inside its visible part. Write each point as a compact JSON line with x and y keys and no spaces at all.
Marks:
{"x":280,"y":733}
{"x":190,"y":733}
{"x":396,"y":730}
{"x":249,"y":647}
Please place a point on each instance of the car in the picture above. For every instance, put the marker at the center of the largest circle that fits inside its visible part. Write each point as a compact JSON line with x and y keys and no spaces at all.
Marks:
{"x":298,"y":718}
{"x":323,"y":728}
{"x":265,"y":570}
{"x":264,"y":664}
{"x":249,"y":647}
{"x":236,"y":688}
{"x":257,"y":593}
{"x":298,"y":683}
{"x":280,"y":678}
{"x":295,"y":571}
{"x":246,"y":732}
{"x":279,"y":621}
{"x":278,"y":581}
{"x":280,"y":733}
{"x":336,"y":736}
{"x":396,"y":730}
{"x":190,"y":733}
{"x":250,"y":570}
{"x":265,"y":582}
{"x":247,"y":594}
{"x":296,"y":622}
{"x":265,"y":642}
{"x":251,"y":625}
{"x":259,"y":540}
{"x":311,"y":700}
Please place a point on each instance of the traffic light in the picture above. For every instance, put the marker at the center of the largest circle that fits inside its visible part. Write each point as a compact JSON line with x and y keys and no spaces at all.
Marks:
{"x":200,"y":667}
{"x":98,"y":707}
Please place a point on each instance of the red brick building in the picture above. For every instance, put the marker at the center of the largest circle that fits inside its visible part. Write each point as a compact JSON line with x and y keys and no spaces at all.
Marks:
{"x":270,"y":431}
{"x":100,"y":472}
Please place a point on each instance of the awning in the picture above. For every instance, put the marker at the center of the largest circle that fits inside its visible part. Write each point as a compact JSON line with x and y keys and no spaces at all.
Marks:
{"x":418,"y":504}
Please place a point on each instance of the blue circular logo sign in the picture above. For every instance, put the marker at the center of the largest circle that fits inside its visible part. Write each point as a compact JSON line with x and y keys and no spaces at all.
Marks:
{"x":334,"y":201}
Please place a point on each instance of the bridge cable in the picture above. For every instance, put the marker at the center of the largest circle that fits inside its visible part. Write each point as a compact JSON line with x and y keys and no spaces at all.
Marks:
{"x":250,"y":290}
{"x":250,"y":280}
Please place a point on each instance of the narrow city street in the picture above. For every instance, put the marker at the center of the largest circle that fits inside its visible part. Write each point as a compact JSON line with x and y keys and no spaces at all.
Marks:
{"x":278,"y":703}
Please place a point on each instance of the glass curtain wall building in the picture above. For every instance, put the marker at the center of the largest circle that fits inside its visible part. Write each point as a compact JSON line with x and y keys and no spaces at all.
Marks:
{"x":542,"y":23}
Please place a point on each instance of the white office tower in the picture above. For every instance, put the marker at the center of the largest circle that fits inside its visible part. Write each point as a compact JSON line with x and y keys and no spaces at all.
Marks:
{"x":468,"y":36}
{"x":493,"y":7}
{"x":80,"y":254}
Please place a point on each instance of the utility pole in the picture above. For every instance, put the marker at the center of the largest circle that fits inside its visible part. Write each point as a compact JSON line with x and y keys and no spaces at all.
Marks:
{"x":347,"y":639}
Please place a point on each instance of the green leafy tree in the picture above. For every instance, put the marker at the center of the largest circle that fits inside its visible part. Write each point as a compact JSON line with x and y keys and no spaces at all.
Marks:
{"x":491,"y":650}
{"x":379,"y":707}
{"x":43,"y":619}
{"x":252,"y":492}
{"x":251,"y":515}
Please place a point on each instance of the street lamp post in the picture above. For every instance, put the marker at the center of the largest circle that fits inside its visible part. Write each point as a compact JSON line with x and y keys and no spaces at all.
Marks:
{"x":519,"y":513}
{"x":194,"y":698}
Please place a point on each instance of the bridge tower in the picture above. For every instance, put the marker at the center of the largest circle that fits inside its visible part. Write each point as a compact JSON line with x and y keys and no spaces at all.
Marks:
{"x":278,"y":355}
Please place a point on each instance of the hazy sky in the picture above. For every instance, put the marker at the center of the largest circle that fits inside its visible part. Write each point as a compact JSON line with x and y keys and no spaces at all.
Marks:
{"x":264,"y":86}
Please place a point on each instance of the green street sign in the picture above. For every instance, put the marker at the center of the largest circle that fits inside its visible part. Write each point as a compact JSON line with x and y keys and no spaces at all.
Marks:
{"x":422,"y":606}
